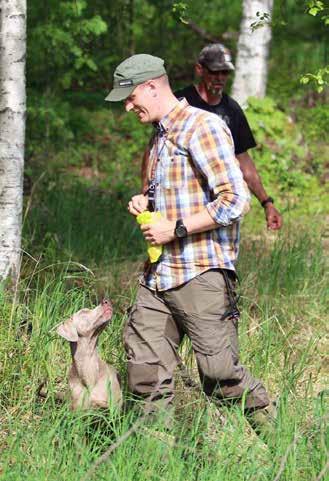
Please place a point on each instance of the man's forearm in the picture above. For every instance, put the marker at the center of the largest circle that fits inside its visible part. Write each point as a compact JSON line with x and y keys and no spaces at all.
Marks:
{"x":163,"y":231}
{"x":144,"y":167}
{"x":200,"y":222}
{"x":251,"y":176}
{"x":253,"y":180}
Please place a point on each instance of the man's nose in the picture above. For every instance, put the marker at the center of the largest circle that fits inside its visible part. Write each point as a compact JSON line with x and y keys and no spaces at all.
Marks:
{"x":128,"y":105}
{"x":223,"y":75}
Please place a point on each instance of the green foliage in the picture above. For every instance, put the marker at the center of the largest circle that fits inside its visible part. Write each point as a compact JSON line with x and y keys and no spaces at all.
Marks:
{"x":102,"y":169}
{"x":282,"y":340}
{"x":81,"y":242}
{"x":54,"y":121}
{"x":314,"y":7}
{"x":179,"y":11}
{"x":280,"y":154}
{"x":321,"y":77}
{"x":299,"y":41}
{"x":314,"y":122}
{"x":61,"y":43}
{"x":80,"y":223}
{"x":49,"y":120}
{"x":60,"y":57}
{"x":74,"y":46}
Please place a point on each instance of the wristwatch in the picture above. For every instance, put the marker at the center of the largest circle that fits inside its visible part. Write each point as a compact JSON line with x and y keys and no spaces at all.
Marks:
{"x":180,"y":229}
{"x":267,"y":201}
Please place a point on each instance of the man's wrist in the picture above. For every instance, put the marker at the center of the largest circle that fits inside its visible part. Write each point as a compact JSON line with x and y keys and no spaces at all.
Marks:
{"x":180,"y":229}
{"x":265,"y":202}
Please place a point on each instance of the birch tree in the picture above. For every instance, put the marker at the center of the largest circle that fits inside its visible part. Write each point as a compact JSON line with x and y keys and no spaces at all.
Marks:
{"x":12,"y":133}
{"x":253,"y":48}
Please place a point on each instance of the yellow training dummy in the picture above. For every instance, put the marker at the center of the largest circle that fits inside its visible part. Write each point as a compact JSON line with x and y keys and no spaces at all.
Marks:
{"x":148,"y":217}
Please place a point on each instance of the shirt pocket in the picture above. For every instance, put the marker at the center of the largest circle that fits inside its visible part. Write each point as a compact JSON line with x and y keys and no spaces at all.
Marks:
{"x":176,"y":168}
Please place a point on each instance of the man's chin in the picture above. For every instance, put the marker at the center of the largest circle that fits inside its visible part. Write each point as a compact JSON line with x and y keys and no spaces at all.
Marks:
{"x":144,"y":120}
{"x":216,"y":91}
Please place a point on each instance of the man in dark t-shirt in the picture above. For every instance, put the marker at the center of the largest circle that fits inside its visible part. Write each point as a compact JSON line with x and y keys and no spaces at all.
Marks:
{"x":228,"y":110}
{"x":213,"y":68}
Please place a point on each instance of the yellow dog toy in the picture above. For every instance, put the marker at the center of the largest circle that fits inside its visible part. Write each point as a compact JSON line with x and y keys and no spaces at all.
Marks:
{"x":147,"y":217}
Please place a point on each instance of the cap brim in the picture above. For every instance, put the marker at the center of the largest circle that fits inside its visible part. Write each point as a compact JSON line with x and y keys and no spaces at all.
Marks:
{"x":120,"y":93}
{"x":216,"y":67}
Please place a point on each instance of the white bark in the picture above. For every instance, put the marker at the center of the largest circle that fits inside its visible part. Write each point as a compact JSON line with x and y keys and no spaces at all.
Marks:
{"x":253,"y":48}
{"x":12,"y":132}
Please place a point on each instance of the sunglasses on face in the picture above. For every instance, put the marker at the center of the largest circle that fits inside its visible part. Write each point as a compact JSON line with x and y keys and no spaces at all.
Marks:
{"x":216,"y":72}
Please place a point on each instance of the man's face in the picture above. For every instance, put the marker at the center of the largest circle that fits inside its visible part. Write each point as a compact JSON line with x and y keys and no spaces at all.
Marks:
{"x":214,"y":81}
{"x":141,"y":102}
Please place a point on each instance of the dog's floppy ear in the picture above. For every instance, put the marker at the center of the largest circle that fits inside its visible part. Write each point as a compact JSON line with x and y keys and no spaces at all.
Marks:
{"x":68,"y":331}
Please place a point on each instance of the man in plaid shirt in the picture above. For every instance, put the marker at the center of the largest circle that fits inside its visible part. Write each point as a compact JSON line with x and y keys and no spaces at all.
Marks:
{"x":195,"y":183}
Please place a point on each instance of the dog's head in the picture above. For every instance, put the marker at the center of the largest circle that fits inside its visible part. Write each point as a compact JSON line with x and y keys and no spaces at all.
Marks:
{"x":86,"y":322}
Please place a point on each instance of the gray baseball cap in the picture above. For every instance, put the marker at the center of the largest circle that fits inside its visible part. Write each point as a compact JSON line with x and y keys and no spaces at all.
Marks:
{"x":216,"y":57}
{"x":134,"y":71}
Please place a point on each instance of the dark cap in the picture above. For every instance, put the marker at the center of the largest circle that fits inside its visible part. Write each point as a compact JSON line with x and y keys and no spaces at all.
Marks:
{"x":134,"y":71}
{"x":216,"y":57}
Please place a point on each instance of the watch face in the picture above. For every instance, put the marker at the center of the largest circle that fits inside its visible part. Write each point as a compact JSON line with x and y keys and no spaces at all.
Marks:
{"x":181,"y":231}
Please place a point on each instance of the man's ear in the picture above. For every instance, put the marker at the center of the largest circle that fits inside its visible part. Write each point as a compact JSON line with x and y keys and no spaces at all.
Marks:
{"x":198,"y":70}
{"x":68,"y":331}
{"x":152,"y":87}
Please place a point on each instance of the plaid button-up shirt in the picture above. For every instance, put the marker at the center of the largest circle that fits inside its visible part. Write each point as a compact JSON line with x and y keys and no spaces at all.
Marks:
{"x":193,"y":166}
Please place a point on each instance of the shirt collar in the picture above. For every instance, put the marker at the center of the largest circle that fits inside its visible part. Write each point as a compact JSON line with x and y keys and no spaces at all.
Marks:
{"x":168,"y":120}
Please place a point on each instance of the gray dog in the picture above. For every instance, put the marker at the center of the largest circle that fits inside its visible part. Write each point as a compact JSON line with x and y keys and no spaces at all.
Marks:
{"x":93,"y":383}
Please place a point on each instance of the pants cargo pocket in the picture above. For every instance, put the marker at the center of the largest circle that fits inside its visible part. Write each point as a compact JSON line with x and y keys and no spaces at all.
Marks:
{"x":142,"y":378}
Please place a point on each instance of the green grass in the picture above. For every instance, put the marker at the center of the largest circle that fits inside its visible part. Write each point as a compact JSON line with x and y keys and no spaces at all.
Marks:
{"x":81,"y":246}
{"x":80,"y":223}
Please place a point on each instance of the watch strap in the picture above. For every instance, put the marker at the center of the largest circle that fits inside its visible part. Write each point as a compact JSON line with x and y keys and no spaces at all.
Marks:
{"x":268,"y":200}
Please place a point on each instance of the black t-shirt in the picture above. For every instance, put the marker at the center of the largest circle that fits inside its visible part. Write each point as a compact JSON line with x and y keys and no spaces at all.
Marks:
{"x":230,"y":111}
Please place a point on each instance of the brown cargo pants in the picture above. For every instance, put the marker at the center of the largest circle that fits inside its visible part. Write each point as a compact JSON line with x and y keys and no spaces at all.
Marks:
{"x":156,"y":326}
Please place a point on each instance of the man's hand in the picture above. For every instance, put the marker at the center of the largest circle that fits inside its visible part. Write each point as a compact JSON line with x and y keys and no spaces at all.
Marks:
{"x":273,"y":217}
{"x":138,"y":204}
{"x":159,"y":233}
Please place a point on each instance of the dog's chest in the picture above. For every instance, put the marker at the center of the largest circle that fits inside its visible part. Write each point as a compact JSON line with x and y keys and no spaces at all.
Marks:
{"x":86,"y":369}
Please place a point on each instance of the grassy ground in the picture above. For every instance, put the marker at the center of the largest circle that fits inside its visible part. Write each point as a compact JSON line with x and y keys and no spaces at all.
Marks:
{"x":85,"y":247}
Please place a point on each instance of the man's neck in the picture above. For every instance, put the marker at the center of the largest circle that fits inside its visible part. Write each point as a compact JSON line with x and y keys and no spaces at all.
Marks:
{"x":208,"y":97}
{"x":166,"y":107}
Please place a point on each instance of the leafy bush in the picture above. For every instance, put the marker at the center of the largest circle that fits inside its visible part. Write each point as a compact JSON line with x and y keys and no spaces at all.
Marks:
{"x":52,"y":121}
{"x":315,"y":122}
{"x":59,"y":43}
{"x":281,"y":154}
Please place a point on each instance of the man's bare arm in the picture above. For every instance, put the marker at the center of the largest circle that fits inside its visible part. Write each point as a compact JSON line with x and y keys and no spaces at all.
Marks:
{"x":253,"y":180}
{"x":163,"y":231}
{"x":145,"y":160}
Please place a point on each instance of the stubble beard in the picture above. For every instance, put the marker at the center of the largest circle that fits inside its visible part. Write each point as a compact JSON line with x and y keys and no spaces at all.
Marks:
{"x":215,"y":91}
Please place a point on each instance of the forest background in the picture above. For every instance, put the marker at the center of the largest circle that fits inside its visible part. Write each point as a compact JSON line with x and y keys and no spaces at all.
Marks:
{"x":82,"y":165}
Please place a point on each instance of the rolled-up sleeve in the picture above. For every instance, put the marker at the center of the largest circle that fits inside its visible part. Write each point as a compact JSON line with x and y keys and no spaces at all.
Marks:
{"x":212,"y":150}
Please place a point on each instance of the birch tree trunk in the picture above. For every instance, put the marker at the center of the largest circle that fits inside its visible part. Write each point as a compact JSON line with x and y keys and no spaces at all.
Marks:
{"x":253,"y":48}
{"x":12,"y":133}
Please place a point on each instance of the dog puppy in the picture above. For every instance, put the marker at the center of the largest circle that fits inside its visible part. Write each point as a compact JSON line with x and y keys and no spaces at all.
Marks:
{"x":93,"y":383}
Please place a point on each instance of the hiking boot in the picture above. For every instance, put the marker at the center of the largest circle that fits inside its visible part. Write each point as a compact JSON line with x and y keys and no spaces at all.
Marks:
{"x":263,"y":421}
